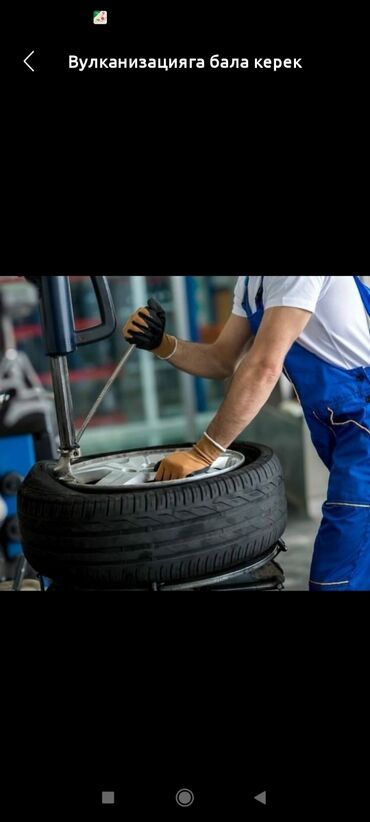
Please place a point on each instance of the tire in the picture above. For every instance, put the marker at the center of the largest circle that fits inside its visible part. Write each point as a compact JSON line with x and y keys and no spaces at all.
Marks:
{"x":125,"y":539}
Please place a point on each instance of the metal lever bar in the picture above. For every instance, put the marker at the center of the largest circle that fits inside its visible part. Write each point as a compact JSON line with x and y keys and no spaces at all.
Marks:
{"x":104,"y":393}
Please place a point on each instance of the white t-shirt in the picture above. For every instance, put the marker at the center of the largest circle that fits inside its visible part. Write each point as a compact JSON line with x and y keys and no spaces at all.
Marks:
{"x":338,"y":330}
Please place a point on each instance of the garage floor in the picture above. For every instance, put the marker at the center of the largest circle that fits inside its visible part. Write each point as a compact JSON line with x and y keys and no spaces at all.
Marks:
{"x":300,"y":538}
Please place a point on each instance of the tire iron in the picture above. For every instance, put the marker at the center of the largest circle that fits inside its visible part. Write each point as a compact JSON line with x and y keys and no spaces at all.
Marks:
{"x":104,"y":392}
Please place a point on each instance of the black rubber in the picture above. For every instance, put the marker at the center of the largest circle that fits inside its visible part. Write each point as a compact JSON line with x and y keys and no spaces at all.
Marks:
{"x":94,"y":539}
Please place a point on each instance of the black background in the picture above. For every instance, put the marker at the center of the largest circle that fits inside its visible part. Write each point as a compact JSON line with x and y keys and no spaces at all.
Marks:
{"x":197,"y":170}
{"x":148,"y":696}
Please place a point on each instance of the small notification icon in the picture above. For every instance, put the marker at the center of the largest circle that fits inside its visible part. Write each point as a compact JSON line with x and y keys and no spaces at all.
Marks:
{"x":100,"y":18}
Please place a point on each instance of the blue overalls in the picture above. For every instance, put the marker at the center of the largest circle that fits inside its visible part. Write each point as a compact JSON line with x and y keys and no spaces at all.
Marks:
{"x":336,"y":405}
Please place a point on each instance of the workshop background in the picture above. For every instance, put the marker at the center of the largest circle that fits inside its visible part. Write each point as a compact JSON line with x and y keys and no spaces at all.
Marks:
{"x":152,"y":404}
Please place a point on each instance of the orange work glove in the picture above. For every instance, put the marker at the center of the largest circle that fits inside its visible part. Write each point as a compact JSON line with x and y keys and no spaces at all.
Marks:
{"x":146,"y":329}
{"x":184,"y":463}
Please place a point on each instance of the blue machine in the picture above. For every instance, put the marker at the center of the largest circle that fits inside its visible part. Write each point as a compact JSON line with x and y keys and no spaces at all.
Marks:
{"x":17,"y":457}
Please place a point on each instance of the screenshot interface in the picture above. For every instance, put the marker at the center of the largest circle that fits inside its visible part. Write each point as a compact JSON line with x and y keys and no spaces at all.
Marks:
{"x":141,"y":139}
{"x":137,"y":143}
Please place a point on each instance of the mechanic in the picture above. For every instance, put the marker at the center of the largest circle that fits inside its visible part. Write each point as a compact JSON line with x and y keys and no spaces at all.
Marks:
{"x":315,"y":330}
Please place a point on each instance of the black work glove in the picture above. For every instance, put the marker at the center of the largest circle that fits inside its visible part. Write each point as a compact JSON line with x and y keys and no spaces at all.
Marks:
{"x":146,"y":327}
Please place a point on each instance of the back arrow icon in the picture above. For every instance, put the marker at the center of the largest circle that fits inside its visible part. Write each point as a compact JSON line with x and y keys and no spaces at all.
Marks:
{"x":27,"y":58}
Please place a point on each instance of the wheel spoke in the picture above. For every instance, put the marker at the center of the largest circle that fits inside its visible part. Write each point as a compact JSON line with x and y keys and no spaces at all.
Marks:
{"x":138,"y":469}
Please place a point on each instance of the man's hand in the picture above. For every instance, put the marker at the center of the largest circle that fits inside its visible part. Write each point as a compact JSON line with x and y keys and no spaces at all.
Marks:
{"x":146,"y":329}
{"x":184,"y":463}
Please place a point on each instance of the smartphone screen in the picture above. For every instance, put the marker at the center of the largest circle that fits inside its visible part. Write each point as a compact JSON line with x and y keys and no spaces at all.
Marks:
{"x":139,"y":143}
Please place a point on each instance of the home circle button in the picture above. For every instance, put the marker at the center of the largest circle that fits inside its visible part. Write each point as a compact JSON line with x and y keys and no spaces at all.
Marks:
{"x":184,"y":798}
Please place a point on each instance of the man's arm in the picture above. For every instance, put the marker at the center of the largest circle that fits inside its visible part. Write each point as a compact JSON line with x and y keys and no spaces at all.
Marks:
{"x":146,"y":329}
{"x":217,"y":360}
{"x":258,"y":373}
{"x":252,"y":385}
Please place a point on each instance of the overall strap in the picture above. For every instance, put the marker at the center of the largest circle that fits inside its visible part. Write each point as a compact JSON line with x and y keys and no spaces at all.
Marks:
{"x":246,"y":303}
{"x":364,"y":292}
{"x":259,"y":298}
